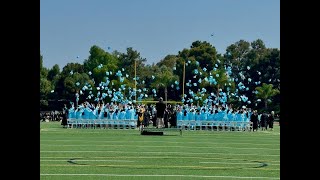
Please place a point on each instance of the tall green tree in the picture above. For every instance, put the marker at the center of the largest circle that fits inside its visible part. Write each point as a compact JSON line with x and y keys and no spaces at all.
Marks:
{"x":45,"y":88}
{"x":99,"y":56}
{"x":55,"y":71}
{"x":131,"y":61}
{"x":201,"y":55}
{"x":163,"y":78}
{"x":43,"y":70}
{"x":266,"y":92}
{"x":169,"y":61}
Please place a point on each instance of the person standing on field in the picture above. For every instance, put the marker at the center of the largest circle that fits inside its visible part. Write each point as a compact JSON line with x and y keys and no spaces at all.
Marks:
{"x":160,"y":107}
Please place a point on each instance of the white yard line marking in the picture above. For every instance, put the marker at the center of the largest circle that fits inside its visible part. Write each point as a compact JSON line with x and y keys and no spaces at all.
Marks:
{"x":197,"y":147}
{"x":157,"y":157}
{"x":174,"y":142}
{"x":164,"y":152}
{"x":160,"y":175}
{"x":158,"y":167}
{"x":105,"y":160}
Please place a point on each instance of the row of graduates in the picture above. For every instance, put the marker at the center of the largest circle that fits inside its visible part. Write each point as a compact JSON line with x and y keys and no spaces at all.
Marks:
{"x":102,"y":111}
{"x":147,"y":114}
{"x":213,"y":113}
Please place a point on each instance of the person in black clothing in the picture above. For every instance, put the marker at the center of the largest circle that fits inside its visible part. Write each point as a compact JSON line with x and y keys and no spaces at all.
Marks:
{"x":146,"y":118}
{"x":254,"y":120}
{"x":166,"y":117}
{"x":65,"y":114}
{"x":160,"y":107}
{"x":271,"y":120}
{"x":263,"y":121}
{"x":173,"y":117}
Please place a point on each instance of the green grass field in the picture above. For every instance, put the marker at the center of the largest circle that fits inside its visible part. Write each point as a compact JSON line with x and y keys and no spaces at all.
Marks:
{"x":125,"y":154}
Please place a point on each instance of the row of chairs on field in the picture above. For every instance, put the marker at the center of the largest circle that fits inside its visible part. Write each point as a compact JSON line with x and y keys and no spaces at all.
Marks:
{"x":181,"y":124}
{"x":215,"y":125}
{"x":102,"y":123}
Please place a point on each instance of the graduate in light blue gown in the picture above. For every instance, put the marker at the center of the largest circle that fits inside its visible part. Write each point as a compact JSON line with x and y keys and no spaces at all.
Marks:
{"x":122,"y":114}
{"x":79,"y":112}
{"x":86,"y":111}
{"x":211,"y":115}
{"x":198,"y":117}
{"x":132,"y":114}
{"x":203,"y":117}
{"x":111,"y":112}
{"x":72,"y":112}
{"x":185,"y":114}
{"x":179,"y":115}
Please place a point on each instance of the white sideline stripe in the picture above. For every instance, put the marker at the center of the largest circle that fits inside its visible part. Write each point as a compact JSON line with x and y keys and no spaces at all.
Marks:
{"x":96,"y":160}
{"x":158,"y":146}
{"x":157,"y":157}
{"x":155,"y":152}
{"x":88,"y":160}
{"x":160,"y":175}
{"x":191,"y":142}
{"x":156,"y":167}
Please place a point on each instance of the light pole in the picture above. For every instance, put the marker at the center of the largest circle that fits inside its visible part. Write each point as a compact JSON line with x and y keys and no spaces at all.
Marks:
{"x":77,"y":98}
{"x":135,"y":79}
{"x":183,"y":78}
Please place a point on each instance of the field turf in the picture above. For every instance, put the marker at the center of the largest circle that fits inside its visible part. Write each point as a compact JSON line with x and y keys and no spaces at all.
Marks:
{"x":85,"y":154}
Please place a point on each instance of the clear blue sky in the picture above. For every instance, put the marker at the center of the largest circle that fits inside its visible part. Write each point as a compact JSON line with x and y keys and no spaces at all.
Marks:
{"x":155,"y":28}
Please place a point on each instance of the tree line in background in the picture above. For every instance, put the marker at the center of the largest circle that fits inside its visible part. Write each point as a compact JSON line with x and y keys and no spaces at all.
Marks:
{"x":250,"y":72}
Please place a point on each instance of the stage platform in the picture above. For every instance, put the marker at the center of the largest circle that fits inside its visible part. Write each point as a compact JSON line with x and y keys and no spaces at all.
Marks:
{"x":158,"y":131}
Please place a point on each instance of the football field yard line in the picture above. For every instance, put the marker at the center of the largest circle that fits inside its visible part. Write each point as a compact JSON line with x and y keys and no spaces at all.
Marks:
{"x":160,"y":175}
{"x":159,"y":152}
{"x":160,"y":167}
{"x":121,"y":145}
{"x":156,"y":157}
{"x":173,"y":142}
